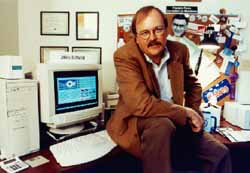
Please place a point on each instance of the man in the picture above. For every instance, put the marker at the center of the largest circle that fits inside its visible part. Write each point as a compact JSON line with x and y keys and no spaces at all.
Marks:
{"x":150,"y":120}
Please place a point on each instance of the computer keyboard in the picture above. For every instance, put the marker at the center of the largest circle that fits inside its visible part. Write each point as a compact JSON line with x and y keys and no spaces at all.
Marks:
{"x":82,"y":149}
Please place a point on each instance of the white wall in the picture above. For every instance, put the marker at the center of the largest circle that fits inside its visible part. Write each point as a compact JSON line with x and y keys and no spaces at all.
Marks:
{"x":8,"y":27}
{"x":29,"y":25}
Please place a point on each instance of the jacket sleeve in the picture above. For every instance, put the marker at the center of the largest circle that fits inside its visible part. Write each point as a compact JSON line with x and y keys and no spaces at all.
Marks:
{"x":192,"y":87}
{"x":135,"y":95}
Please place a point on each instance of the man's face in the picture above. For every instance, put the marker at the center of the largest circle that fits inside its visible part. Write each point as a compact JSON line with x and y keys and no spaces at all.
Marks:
{"x":179,"y":26}
{"x":151,"y":34}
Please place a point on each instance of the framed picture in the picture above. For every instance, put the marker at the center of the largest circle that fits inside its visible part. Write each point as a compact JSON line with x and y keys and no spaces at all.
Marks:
{"x":54,"y":23}
{"x":93,"y":52}
{"x":45,"y":51}
{"x":87,"y":25}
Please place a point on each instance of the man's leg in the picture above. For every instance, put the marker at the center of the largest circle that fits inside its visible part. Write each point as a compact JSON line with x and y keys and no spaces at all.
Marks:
{"x":155,"y":137}
{"x":215,"y":155}
{"x":201,"y":150}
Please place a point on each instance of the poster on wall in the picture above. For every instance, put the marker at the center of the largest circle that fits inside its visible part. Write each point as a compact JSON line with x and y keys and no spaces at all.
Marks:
{"x":87,"y":25}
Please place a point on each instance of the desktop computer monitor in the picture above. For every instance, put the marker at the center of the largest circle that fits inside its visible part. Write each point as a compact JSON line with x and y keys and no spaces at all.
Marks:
{"x":70,"y":94}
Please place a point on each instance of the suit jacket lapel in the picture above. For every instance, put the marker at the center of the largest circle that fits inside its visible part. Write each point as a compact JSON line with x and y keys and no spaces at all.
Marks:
{"x":175,"y":72}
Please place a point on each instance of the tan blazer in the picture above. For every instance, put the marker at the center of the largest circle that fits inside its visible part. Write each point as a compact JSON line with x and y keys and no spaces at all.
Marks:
{"x":140,"y":94}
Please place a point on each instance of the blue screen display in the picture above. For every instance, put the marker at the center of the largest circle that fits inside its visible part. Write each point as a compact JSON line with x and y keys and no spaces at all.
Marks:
{"x":75,"y":90}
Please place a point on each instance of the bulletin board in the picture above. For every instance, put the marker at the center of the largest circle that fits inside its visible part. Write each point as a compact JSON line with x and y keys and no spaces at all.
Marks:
{"x":219,"y":71}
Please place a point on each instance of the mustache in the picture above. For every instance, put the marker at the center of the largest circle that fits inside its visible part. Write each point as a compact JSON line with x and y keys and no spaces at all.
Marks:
{"x":153,"y":43}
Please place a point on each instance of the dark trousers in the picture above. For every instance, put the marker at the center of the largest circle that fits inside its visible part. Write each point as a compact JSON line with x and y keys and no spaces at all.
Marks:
{"x":165,"y":145}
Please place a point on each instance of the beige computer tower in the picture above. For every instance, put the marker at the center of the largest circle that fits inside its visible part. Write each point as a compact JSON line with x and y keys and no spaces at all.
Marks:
{"x":19,"y":120}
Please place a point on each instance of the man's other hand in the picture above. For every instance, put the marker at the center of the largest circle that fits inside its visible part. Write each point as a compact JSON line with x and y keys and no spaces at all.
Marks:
{"x":195,"y":120}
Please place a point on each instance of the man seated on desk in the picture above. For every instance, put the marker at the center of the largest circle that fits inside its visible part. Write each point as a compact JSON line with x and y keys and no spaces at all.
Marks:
{"x":150,"y":121}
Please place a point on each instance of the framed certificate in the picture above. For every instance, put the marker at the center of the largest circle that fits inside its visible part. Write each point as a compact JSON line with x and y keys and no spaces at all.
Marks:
{"x":54,"y":23}
{"x":45,"y":51}
{"x":87,"y":25}
{"x":95,"y":52}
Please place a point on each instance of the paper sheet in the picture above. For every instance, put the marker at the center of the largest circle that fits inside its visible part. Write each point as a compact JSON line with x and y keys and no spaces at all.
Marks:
{"x":208,"y":75}
{"x":208,"y":71}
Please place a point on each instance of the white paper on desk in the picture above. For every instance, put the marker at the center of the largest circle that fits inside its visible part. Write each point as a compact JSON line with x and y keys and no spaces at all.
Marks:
{"x":93,"y":146}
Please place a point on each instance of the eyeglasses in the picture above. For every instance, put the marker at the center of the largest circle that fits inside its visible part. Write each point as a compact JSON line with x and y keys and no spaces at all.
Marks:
{"x":157,"y":31}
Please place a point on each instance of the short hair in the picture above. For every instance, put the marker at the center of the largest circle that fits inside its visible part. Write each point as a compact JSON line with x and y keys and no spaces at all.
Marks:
{"x":181,"y":17}
{"x":144,"y":11}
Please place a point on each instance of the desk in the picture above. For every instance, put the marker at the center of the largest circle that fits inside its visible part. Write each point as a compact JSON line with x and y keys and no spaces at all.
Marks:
{"x":240,"y":151}
{"x":118,"y":161}
{"x":113,"y":162}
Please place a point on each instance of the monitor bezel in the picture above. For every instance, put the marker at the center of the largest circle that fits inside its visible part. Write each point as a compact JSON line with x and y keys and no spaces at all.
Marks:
{"x":45,"y":76}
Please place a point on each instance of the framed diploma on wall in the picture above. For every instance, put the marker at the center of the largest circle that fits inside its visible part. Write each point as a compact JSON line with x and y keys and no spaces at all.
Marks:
{"x":87,"y":25}
{"x":54,"y":23}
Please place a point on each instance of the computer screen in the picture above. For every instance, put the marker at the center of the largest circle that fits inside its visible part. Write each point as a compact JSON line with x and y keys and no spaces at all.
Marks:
{"x":69,"y":93}
{"x":75,"y":90}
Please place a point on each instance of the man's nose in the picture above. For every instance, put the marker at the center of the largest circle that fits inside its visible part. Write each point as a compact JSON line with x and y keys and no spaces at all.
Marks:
{"x":152,"y":35}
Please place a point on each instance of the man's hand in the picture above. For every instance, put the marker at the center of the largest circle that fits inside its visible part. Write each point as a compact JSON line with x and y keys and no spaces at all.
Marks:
{"x":195,"y":120}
